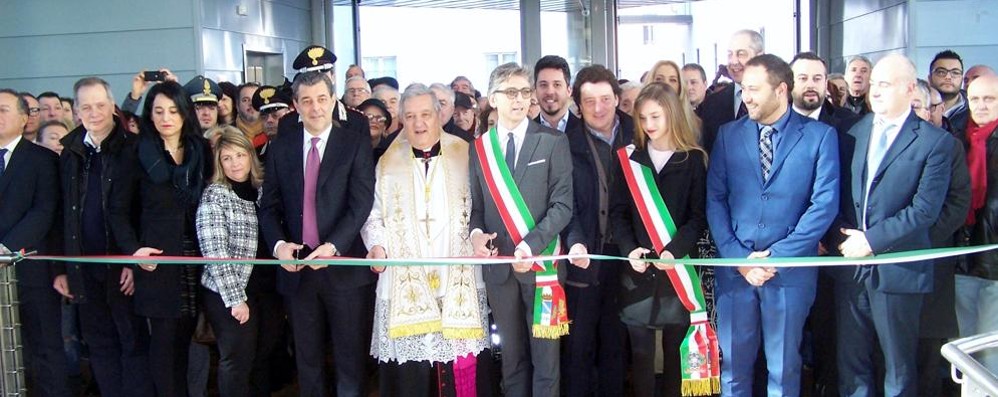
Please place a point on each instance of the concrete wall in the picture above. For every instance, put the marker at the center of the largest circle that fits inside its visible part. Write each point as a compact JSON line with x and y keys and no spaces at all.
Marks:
{"x":872,"y":28}
{"x":965,"y":26}
{"x":48,"y":44}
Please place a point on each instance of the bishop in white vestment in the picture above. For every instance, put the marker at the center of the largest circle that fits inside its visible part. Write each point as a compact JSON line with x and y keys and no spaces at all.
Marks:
{"x":424,"y":315}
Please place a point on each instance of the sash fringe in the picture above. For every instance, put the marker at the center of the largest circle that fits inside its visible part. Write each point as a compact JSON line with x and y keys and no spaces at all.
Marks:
{"x":701,"y":387}
{"x":463,"y":333}
{"x":550,"y":331}
{"x":414,"y":329}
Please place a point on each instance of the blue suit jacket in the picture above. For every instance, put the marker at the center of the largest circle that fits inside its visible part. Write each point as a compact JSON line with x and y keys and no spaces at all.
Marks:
{"x":787,"y":215}
{"x":906,"y":197}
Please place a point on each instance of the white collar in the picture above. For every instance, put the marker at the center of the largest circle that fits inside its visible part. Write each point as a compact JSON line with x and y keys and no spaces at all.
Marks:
{"x":323,"y":136}
{"x":519,"y":131}
{"x":13,"y":144}
{"x":89,"y":140}
{"x":814,"y":114}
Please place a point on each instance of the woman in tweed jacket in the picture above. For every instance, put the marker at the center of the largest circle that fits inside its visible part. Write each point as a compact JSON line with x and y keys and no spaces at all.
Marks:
{"x":227,"y":228}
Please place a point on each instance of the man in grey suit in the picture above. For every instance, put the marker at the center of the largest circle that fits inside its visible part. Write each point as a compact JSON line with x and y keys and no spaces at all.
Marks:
{"x":540,"y":164}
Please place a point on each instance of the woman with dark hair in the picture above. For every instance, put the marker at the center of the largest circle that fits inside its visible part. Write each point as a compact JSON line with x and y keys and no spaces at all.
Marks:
{"x":152,"y":213}
{"x":227,"y":103}
{"x":659,"y":182}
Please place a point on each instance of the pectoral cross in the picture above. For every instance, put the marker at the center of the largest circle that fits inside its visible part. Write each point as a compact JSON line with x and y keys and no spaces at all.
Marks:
{"x":426,"y":221}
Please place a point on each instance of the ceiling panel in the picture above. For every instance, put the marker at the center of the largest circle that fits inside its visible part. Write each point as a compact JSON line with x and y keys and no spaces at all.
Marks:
{"x":546,"y":5}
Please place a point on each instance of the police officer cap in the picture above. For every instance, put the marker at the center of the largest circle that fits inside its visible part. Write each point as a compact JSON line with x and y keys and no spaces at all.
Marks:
{"x":268,"y":98}
{"x":314,"y":58}
{"x":203,"y":89}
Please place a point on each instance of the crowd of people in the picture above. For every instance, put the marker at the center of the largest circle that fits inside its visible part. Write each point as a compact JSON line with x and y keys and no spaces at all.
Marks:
{"x":772,"y":159}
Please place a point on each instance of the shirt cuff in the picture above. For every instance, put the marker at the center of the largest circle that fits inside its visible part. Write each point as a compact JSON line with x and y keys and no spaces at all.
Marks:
{"x":523,"y":246}
{"x":276,"y":246}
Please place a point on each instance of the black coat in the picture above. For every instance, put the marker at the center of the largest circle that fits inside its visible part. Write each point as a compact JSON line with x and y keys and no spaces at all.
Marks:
{"x":716,"y":110}
{"x":840,"y":119}
{"x":29,"y":201}
{"x":584,"y":226}
{"x":73,"y":176}
{"x":344,"y":197}
{"x":648,"y":299}
{"x":939,"y":307}
{"x":163,"y":220}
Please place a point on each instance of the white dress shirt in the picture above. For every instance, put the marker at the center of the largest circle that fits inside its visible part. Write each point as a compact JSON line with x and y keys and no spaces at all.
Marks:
{"x":10,"y":151}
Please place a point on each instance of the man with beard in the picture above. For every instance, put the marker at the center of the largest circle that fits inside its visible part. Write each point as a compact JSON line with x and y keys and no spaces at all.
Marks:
{"x":248,"y":120}
{"x":945,"y":75}
{"x":810,"y":92}
{"x":551,"y":76}
{"x":726,"y":105}
{"x":272,"y":103}
{"x":858,"y":84}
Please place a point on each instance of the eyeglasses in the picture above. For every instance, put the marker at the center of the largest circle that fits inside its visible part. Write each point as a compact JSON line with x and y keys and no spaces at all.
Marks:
{"x":942,"y":73}
{"x":33,"y":111}
{"x":935,"y":105}
{"x":511,"y":92}
{"x":356,"y":90}
{"x":376,"y":118}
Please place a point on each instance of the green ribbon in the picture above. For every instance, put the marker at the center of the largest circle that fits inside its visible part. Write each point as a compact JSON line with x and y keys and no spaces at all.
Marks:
{"x":882,"y":259}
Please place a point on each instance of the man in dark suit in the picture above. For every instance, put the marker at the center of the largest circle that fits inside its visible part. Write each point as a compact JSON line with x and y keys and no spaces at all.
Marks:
{"x":90,"y":164}
{"x":538,"y":159}
{"x":772,"y":191}
{"x":592,"y":289}
{"x":318,"y":191}
{"x":726,"y":105}
{"x":29,"y":191}
{"x":896,"y":171}
{"x":809,"y":99}
{"x":316,"y":58}
{"x":552,"y":89}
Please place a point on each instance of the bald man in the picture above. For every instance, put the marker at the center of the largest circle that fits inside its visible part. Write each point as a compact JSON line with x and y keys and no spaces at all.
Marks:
{"x":974,"y":72}
{"x":977,"y":288}
{"x":726,"y":105}
{"x":895,"y":175}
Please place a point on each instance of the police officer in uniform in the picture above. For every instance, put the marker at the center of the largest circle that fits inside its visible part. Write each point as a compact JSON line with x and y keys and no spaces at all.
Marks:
{"x":273,"y":103}
{"x":318,"y":58}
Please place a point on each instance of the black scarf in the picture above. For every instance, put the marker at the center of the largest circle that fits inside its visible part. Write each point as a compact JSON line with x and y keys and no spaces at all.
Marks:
{"x":187,"y":178}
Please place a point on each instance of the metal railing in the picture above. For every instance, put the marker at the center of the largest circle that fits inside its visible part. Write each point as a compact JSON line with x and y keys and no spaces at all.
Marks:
{"x":974,"y":378}
{"x":12,"y":382}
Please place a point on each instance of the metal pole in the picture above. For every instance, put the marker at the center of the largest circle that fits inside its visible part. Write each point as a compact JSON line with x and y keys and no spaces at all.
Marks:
{"x":12,"y":382}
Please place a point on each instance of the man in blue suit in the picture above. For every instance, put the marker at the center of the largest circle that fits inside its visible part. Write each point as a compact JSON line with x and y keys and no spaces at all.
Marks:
{"x":772,"y":191}
{"x":896,"y":171}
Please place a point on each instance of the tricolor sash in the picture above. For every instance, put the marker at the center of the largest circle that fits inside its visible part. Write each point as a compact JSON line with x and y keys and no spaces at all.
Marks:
{"x":550,"y":307}
{"x":699,"y":352}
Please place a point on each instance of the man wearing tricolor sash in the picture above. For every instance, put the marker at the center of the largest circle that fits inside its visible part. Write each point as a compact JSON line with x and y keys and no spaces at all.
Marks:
{"x":521,"y":194}
{"x":772,"y":191}
{"x":428,"y":319}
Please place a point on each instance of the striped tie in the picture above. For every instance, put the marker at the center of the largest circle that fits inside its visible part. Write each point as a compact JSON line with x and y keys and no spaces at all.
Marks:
{"x":766,"y":151}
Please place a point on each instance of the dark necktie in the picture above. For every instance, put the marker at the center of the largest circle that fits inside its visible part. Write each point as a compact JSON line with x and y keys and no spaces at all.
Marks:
{"x":3,"y":163}
{"x":310,"y":225}
{"x":742,"y":110}
{"x":510,"y":152}
{"x":766,"y":151}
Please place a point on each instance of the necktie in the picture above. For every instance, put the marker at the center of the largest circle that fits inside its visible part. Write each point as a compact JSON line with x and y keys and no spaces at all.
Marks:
{"x":310,"y":226}
{"x":3,"y":163}
{"x":510,"y":152}
{"x":766,"y":151}
{"x":742,"y":110}
{"x":878,"y":148}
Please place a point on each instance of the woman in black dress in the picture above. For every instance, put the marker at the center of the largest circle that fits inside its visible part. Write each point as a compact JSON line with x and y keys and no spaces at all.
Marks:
{"x":152,"y":213}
